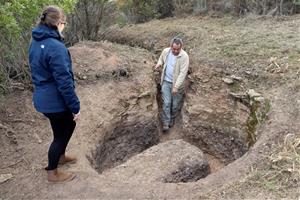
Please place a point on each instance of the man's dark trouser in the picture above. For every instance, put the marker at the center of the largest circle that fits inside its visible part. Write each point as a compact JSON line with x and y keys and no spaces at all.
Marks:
{"x":63,"y":127}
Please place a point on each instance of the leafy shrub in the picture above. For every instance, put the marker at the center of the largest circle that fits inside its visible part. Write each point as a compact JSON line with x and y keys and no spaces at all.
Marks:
{"x":17,"y":18}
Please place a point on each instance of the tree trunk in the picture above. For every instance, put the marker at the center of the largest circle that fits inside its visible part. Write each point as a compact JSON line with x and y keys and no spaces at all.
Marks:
{"x":281,"y":7}
{"x":87,"y":18}
{"x":100,"y":12}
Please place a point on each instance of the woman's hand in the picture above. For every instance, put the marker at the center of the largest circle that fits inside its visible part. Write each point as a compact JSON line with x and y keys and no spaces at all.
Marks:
{"x":76,"y":116}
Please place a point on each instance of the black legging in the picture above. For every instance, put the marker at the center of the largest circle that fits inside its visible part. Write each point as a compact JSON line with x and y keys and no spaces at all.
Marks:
{"x":63,"y":127}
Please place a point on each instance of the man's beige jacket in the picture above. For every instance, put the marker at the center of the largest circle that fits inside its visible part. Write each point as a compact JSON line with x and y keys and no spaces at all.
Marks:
{"x":180,"y":69}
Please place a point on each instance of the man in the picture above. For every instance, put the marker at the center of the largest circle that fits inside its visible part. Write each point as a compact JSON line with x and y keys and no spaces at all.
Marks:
{"x":175,"y":62}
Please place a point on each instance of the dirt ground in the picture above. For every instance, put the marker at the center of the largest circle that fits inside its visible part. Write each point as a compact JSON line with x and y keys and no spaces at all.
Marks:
{"x":120,"y":112}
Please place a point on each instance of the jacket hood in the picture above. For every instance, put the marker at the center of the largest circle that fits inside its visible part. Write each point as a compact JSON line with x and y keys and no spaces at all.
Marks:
{"x":43,"y":32}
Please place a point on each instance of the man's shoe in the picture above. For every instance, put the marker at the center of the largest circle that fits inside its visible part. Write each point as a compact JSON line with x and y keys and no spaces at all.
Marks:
{"x":55,"y":176}
{"x":172,"y":122}
{"x":165,"y":128}
{"x":67,"y":160}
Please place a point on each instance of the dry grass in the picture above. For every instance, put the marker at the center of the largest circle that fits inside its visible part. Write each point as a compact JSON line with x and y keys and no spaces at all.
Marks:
{"x":280,"y":177}
{"x":285,"y":164}
{"x":267,"y":48}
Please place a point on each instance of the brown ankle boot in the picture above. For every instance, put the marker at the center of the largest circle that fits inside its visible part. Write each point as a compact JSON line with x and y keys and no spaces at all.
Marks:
{"x":56,"y":176}
{"x":67,"y":160}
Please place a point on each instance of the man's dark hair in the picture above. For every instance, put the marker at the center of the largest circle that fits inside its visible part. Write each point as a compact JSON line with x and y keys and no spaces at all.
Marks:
{"x":177,"y":41}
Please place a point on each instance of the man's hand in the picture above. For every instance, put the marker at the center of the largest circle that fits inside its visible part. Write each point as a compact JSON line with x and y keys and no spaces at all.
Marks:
{"x":157,"y":66}
{"x":174,"y":91}
{"x":76,"y":116}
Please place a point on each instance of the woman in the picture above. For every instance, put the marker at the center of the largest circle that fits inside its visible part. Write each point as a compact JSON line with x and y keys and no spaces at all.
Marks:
{"x":54,"y":91}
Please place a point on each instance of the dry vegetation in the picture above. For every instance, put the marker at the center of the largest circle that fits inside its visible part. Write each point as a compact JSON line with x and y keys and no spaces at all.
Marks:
{"x":284,"y":172}
{"x":279,"y":178}
{"x":266,"y":48}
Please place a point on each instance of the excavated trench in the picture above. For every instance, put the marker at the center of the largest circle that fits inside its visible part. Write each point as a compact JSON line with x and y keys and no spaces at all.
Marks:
{"x":220,"y":143}
{"x":123,"y":141}
{"x":127,"y":138}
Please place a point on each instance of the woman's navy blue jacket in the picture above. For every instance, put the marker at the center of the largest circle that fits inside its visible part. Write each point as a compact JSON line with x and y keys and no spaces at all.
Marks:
{"x":51,"y":70}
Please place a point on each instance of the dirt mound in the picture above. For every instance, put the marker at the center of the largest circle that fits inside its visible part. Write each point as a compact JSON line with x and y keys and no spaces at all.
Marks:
{"x":160,"y":164}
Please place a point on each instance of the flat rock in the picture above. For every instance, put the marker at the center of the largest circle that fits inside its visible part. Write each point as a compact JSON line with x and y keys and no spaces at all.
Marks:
{"x":237,"y":78}
{"x":5,"y":177}
{"x":252,"y":93}
{"x":227,"y":80}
